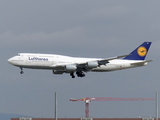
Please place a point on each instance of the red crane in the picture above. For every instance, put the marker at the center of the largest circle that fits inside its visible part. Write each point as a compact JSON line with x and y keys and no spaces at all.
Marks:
{"x":87,"y":100}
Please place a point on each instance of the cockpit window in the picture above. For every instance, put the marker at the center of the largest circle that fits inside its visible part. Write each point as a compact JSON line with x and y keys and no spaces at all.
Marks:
{"x":18,"y":54}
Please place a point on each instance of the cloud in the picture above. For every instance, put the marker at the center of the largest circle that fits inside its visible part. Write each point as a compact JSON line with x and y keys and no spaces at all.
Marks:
{"x":107,"y":12}
{"x":69,"y":38}
{"x":78,"y":28}
{"x":42,"y":38}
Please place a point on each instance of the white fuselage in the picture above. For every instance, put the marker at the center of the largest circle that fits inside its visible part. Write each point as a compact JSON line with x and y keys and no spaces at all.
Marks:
{"x":50,"y":61}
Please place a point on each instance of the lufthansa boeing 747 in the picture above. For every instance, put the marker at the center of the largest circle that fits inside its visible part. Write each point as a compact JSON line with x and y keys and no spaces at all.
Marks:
{"x":60,"y":64}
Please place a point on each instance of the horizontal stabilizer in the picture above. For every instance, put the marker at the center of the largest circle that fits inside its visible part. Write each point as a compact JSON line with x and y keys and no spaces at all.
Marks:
{"x":141,"y":62}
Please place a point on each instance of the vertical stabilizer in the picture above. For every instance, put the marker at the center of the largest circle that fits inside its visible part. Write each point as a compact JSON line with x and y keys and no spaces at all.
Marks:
{"x":140,"y":52}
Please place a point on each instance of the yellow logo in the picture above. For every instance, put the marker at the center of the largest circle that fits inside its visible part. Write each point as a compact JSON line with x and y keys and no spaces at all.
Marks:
{"x":142,"y":51}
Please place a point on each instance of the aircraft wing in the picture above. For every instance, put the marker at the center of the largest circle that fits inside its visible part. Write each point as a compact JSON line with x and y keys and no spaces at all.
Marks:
{"x":82,"y":66}
{"x":102,"y":61}
{"x":105,"y":61}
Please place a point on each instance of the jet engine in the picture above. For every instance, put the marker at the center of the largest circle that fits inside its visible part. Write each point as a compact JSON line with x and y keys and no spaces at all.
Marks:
{"x":57,"y":72}
{"x":92,"y":64}
{"x":70,"y":68}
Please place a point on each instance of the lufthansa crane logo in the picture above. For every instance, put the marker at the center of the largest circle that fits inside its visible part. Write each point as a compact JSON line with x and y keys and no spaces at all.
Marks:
{"x":142,"y":51}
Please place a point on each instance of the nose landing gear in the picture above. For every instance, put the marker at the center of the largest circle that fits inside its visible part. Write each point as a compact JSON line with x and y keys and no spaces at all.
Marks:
{"x":21,"y":70}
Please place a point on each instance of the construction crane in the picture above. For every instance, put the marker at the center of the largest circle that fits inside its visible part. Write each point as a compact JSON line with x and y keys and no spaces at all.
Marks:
{"x":87,"y":100}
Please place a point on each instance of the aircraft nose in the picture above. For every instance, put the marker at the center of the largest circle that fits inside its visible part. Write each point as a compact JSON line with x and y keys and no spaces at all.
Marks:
{"x":10,"y":60}
{"x":14,"y":60}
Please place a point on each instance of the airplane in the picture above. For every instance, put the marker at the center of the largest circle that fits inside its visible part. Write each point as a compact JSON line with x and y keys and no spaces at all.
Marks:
{"x":60,"y":64}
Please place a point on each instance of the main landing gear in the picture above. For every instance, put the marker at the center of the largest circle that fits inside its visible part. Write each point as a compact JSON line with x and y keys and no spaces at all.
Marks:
{"x":79,"y":74}
{"x":21,"y":70}
{"x":72,"y":75}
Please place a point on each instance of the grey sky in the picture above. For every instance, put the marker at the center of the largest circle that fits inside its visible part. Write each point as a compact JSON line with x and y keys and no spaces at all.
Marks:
{"x":83,"y":28}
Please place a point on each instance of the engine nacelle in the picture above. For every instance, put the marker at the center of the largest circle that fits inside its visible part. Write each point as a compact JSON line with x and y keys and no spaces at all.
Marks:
{"x":57,"y":72}
{"x":92,"y":64}
{"x":70,"y":68}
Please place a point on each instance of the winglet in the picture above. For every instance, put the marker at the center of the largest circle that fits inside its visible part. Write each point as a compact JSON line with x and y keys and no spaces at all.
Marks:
{"x":140,"y":52}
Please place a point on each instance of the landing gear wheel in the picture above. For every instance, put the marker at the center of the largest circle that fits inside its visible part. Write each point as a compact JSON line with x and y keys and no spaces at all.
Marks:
{"x":72,"y":75}
{"x":21,"y":70}
{"x":80,"y":74}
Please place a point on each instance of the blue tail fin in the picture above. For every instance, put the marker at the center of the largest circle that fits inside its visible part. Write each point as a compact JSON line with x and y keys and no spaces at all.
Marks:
{"x":140,"y":52}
